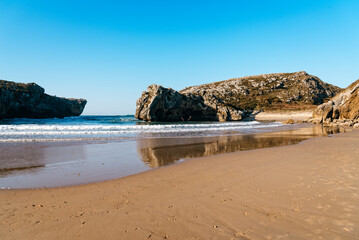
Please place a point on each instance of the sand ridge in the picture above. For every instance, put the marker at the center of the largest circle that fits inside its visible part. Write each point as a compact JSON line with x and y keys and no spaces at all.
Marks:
{"x":305,"y":191}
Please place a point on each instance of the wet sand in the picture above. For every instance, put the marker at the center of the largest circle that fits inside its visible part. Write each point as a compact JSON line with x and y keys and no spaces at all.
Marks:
{"x":56,"y":164}
{"x":303,"y":191}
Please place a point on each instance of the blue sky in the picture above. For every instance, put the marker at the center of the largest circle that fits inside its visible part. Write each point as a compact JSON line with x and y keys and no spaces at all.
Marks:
{"x":109,"y":51}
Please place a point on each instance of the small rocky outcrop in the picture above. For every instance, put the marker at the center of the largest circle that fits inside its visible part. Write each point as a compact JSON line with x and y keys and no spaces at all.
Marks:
{"x":341,"y":109}
{"x":233,"y":99}
{"x":19,"y":100}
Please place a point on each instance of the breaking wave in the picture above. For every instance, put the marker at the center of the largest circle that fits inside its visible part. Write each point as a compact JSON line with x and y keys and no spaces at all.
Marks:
{"x":107,"y":127}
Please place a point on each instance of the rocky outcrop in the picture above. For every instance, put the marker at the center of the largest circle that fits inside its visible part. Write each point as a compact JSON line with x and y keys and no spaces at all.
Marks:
{"x":232,"y":99}
{"x":19,"y":100}
{"x":166,"y":104}
{"x":343,"y":108}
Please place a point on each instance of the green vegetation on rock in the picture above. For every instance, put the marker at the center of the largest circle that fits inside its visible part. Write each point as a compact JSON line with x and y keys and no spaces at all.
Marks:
{"x":233,"y":99}
{"x":277,"y":91}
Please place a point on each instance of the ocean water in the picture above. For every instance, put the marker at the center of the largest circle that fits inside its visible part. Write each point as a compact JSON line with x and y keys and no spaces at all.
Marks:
{"x":118,"y":127}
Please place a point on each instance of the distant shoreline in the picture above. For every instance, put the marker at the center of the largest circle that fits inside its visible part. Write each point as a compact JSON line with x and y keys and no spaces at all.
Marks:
{"x":303,"y":115}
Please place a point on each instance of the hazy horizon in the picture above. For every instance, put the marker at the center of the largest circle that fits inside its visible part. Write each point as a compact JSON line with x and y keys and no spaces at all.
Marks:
{"x":108,"y":52}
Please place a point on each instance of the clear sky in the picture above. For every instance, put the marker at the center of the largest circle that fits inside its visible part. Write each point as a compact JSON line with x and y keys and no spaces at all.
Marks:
{"x":110,"y":51}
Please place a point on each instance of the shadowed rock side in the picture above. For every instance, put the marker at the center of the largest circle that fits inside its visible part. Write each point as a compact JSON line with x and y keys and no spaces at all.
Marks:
{"x":19,"y":100}
{"x":232,"y":99}
{"x":165,"y":104}
{"x":344,"y":106}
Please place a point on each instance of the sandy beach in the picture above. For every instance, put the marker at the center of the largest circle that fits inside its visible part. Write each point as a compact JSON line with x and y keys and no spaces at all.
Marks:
{"x":303,"y":191}
{"x":284,"y":115}
{"x":180,"y":120}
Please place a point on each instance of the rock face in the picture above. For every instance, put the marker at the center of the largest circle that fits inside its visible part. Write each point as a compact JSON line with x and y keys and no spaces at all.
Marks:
{"x":165,"y":104}
{"x":19,"y":100}
{"x":232,"y":99}
{"x":344,"y":106}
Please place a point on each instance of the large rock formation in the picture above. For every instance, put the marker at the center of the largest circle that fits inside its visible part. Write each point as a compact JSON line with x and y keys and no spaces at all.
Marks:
{"x":344,"y":106}
{"x":232,"y":99}
{"x":19,"y":100}
{"x":166,"y":104}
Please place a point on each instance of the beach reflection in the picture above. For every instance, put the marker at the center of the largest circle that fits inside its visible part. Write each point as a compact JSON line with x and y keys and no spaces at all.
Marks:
{"x":14,"y":159}
{"x":156,"y":152}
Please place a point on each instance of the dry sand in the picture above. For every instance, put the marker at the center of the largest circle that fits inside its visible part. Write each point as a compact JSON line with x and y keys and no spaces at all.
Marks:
{"x":305,"y":191}
{"x":284,"y":115}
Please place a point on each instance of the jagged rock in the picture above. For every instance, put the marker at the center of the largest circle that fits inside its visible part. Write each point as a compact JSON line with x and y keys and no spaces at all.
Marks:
{"x":344,"y":106}
{"x":232,"y":99}
{"x":19,"y":100}
{"x":166,"y":104}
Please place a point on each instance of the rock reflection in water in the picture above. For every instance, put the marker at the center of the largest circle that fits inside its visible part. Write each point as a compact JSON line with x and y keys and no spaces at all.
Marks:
{"x":156,"y":152}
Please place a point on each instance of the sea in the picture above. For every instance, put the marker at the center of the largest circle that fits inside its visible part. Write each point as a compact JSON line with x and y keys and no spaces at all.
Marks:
{"x":118,"y":127}
{"x":42,"y":153}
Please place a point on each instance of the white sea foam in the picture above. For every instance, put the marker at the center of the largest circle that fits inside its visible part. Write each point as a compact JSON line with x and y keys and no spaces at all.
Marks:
{"x":39,"y":127}
{"x":120,"y":127}
{"x":84,"y":130}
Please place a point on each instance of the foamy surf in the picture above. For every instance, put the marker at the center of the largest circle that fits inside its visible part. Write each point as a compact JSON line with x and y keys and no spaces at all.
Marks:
{"x":107,"y":127}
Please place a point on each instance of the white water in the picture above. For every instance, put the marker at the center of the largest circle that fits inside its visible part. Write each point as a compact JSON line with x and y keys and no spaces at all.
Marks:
{"x":119,"y":127}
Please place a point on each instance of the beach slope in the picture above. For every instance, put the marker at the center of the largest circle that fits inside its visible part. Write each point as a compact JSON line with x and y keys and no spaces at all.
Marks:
{"x":304,"y":191}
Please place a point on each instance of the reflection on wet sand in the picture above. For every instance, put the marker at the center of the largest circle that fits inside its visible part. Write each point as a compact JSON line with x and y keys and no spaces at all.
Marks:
{"x":13,"y":159}
{"x":156,"y":152}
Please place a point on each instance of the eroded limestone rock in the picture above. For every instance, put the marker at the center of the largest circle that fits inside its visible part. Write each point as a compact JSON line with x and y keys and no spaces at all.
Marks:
{"x":232,"y":99}
{"x":165,"y":104}
{"x":19,"y":100}
{"x":344,"y":106}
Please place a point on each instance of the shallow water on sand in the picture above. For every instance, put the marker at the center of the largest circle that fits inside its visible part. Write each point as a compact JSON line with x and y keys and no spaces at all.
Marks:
{"x":40,"y":164}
